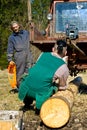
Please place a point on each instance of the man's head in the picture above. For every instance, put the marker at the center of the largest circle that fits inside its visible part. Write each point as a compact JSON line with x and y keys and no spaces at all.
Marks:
{"x":15,"y":26}
{"x":60,"y":47}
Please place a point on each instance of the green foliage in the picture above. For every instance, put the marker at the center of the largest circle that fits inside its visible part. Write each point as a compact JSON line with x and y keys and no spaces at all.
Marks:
{"x":3,"y":61}
{"x":40,"y":10}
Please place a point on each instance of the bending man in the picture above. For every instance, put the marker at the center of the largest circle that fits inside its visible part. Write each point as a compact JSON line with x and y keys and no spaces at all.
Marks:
{"x":41,"y":83}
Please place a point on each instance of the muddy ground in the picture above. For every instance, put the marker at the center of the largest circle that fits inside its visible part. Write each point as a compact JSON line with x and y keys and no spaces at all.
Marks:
{"x":31,"y":121}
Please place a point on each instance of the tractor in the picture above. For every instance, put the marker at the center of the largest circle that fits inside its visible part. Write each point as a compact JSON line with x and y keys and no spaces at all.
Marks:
{"x":67,"y":19}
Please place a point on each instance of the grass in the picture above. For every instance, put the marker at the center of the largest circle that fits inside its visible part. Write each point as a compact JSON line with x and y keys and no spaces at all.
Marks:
{"x":8,"y":101}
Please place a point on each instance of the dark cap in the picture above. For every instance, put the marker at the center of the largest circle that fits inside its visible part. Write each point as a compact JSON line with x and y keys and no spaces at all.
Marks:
{"x":61,"y":43}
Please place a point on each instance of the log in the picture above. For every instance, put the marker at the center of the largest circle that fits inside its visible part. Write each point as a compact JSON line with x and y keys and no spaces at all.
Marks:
{"x":55,"y":112}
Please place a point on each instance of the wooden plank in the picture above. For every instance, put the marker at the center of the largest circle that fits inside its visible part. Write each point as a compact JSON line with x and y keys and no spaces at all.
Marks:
{"x":7,"y":125}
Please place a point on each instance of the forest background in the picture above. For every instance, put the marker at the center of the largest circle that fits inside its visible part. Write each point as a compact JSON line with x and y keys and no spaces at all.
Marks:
{"x":18,"y":10}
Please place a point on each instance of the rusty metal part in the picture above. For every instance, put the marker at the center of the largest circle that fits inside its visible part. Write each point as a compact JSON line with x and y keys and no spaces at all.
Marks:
{"x":76,"y":47}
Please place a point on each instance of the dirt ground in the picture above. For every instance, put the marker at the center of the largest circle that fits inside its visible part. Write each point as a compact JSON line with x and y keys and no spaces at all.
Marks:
{"x":31,"y":121}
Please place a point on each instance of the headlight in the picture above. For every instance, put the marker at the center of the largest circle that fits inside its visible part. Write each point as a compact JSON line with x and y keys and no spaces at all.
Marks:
{"x":49,"y":16}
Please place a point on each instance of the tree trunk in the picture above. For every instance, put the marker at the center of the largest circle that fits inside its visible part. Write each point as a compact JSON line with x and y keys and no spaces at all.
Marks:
{"x":29,"y":10}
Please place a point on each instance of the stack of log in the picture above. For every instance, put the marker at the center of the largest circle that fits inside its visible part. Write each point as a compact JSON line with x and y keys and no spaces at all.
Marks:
{"x":55,"y":112}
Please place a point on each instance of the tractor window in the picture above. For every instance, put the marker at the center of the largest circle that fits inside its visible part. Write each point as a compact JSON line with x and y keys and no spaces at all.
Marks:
{"x":71,"y":13}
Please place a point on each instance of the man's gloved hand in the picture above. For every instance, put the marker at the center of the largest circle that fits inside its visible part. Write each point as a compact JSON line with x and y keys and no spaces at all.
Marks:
{"x":11,"y":62}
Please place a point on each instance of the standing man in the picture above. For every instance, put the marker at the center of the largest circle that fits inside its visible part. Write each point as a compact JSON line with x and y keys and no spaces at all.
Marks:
{"x":18,"y":50}
{"x":42,"y":81}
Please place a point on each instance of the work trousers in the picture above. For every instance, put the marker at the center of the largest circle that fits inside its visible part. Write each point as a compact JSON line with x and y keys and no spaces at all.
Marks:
{"x":22,"y":64}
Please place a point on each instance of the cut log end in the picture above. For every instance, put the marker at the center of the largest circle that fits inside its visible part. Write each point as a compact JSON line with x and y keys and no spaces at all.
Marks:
{"x":55,"y":112}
